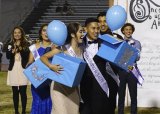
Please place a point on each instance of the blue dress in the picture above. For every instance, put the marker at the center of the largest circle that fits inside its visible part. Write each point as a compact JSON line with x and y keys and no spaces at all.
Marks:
{"x":41,"y":103}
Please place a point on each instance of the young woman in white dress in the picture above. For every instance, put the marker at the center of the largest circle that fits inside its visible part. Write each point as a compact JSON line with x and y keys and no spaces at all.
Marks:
{"x":66,"y":100}
{"x":18,"y":53}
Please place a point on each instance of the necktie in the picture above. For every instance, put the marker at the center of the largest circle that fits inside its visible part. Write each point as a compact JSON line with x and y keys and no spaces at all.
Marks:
{"x":130,"y":42}
{"x":94,"y":41}
{"x":127,"y":40}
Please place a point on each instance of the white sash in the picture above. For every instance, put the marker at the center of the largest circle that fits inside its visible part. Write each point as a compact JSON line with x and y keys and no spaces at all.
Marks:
{"x":34,"y":51}
{"x":110,"y":71}
{"x":71,"y":52}
{"x":138,"y":75}
{"x":96,"y":73}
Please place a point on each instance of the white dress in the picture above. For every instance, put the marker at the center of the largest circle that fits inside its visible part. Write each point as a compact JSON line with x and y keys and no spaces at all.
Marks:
{"x":65,"y":100}
{"x":15,"y":76}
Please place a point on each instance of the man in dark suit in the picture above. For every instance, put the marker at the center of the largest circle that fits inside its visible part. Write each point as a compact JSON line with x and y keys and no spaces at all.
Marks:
{"x":95,"y":96}
{"x":104,"y":29}
{"x":128,"y":78}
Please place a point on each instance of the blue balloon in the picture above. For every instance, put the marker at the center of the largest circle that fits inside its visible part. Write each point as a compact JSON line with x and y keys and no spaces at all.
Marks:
{"x":57,"y":32}
{"x":116,"y":17}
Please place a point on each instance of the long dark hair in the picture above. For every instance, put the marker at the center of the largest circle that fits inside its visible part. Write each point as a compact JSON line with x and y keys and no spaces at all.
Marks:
{"x":72,"y":29}
{"x":40,"y":31}
{"x":23,"y":41}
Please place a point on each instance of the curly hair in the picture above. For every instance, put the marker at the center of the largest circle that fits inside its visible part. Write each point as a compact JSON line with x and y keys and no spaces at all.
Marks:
{"x":128,"y":24}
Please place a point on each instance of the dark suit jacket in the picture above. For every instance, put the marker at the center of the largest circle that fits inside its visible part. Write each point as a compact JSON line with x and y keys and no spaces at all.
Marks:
{"x":112,"y":33}
{"x":11,"y":56}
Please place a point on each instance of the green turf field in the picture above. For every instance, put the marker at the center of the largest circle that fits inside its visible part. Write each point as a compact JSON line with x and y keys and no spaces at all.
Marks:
{"x":6,"y":103}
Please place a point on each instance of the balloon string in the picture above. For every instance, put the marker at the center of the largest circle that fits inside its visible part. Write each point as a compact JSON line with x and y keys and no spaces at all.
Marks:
{"x":62,"y":49}
{"x":117,"y":2}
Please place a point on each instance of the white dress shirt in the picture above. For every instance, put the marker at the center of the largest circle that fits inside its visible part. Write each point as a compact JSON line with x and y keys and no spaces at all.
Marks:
{"x":91,"y":49}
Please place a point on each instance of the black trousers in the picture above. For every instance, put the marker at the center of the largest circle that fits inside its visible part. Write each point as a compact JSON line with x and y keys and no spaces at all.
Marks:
{"x":1,"y":57}
{"x":96,"y":101}
{"x":0,"y":60}
{"x":127,"y":78}
{"x":22,"y":91}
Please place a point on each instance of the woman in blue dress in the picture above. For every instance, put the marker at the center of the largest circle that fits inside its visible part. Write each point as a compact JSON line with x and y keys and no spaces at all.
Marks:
{"x":41,"y":103}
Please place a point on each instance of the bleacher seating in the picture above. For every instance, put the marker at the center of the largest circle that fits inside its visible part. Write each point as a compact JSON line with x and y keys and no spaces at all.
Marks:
{"x":46,"y":12}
